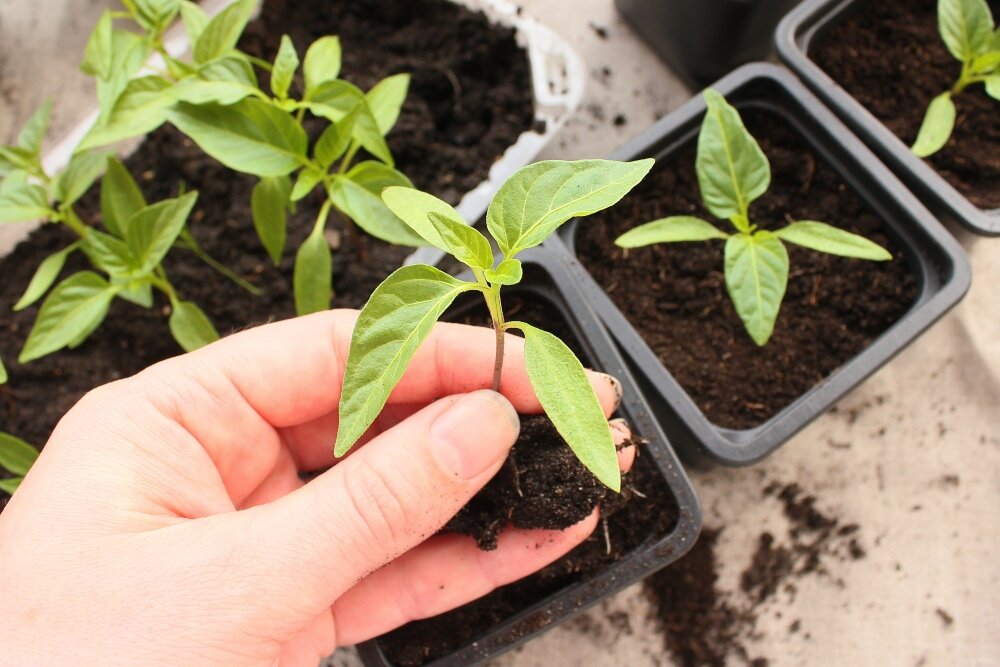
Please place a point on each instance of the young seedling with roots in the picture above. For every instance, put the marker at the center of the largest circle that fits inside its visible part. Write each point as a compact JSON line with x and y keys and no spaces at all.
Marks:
{"x":401,"y":312}
{"x":732,"y":172}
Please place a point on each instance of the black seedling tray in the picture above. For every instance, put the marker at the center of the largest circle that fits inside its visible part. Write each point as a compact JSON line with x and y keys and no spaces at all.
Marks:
{"x":934,"y":256}
{"x":547,"y":277}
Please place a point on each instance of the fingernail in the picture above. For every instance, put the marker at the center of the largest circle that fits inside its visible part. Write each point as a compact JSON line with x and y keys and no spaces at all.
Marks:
{"x":616,"y":385}
{"x":475,"y":433}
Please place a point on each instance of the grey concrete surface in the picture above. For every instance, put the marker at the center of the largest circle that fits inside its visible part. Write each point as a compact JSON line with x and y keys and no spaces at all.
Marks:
{"x":912,"y":457}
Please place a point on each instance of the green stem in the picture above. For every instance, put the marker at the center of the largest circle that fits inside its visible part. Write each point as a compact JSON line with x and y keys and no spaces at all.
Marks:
{"x":351,"y":153}
{"x":160,"y":281}
{"x":228,"y":273}
{"x":73,"y":221}
{"x":259,"y":62}
{"x":495,"y":307}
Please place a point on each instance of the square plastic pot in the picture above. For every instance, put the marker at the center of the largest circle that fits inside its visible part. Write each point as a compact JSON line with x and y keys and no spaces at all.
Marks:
{"x":705,"y":39}
{"x":547,"y":277}
{"x":793,"y":38}
{"x":934,"y":256}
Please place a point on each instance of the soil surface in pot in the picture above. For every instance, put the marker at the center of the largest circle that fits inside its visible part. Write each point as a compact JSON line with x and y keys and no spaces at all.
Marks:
{"x":446,"y":149}
{"x":888,"y":54}
{"x":643,"y":511}
{"x":675,"y":294}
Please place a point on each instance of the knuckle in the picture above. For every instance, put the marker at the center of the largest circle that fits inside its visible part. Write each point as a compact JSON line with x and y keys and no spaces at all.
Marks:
{"x":381,"y":509}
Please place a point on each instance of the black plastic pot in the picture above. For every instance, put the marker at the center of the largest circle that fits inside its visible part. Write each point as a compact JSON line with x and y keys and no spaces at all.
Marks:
{"x":547,"y":277}
{"x":934,"y":256}
{"x":793,"y":38}
{"x":705,"y":39}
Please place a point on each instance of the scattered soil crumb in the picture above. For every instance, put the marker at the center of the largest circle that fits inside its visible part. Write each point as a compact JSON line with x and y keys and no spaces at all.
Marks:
{"x":620,"y":120}
{"x":599,"y":30}
{"x":945,"y":617}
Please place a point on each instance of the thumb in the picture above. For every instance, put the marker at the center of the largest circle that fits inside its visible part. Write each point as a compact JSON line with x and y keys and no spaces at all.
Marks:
{"x":383,"y":500}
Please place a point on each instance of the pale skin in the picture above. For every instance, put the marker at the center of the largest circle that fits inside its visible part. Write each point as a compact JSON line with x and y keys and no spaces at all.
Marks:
{"x":166,"y":523}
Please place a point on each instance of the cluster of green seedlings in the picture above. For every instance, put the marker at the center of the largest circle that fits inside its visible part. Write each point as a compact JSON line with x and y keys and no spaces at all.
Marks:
{"x":971,"y":35}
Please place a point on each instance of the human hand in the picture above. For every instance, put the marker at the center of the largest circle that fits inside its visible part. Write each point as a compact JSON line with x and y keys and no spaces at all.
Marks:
{"x":165,"y":521}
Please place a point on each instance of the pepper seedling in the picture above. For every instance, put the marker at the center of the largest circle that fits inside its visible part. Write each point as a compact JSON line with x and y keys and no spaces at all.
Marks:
{"x":16,"y":457}
{"x":401,"y":312}
{"x":969,"y":32}
{"x":217,"y":101}
{"x":732,"y":172}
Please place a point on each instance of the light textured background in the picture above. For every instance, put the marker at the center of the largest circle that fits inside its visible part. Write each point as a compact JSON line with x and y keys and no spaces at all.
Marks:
{"x":938,"y":404}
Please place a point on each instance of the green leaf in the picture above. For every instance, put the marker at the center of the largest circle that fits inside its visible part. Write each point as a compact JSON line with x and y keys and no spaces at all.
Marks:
{"x":28,"y":202}
{"x":221,"y":33}
{"x":308,"y":179}
{"x":397,"y":318}
{"x":285,"y":65}
{"x":675,"y":229}
{"x":269,"y":205}
{"x":158,"y":13}
{"x":69,"y":310}
{"x":440,"y":225}
{"x":251,"y":136}
{"x":16,"y":159}
{"x":322,"y":62}
{"x":98,"y":54}
{"x":234,"y":68}
{"x":31,"y":135}
{"x":83,"y":169}
{"x":16,"y":456}
{"x":333,"y":143}
{"x":533,"y":202}
{"x":44,"y":276}
{"x":141,"y":108}
{"x":732,"y":169}
{"x":358,"y":195}
{"x":195,"y":19}
{"x":139,"y":292}
{"x":129,"y":52}
{"x":386,"y":100}
{"x":196,"y":91}
{"x":985,"y":63}
{"x":14,"y":180}
{"x":993,"y":86}
{"x":110,"y":254}
{"x":568,"y":399}
{"x":120,"y":197}
{"x":335,"y":99}
{"x":508,"y":272}
{"x":966,"y":27}
{"x":313,"y":281}
{"x":833,"y":241}
{"x":10,"y":485}
{"x":936,"y":129}
{"x":151,"y":231}
{"x":3,"y":373}
{"x":756,"y":277}
{"x":191,"y":327}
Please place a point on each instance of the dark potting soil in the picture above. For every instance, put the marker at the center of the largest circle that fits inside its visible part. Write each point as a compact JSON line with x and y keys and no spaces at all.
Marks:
{"x":445,"y":148}
{"x":675,"y":294}
{"x":704,"y":626}
{"x":888,"y":54}
{"x":644,"y":511}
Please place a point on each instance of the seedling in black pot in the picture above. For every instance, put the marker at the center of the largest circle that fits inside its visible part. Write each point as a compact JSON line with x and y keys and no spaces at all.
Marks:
{"x":401,"y":312}
{"x":732,"y":172}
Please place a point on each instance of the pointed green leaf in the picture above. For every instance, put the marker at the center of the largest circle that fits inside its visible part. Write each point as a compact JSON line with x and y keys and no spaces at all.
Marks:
{"x":285,"y":65}
{"x":533,"y":202}
{"x":195,"y":19}
{"x":120,"y":197}
{"x":568,"y":399}
{"x":508,"y":272}
{"x":358,"y":195}
{"x":10,"y":485}
{"x":386,"y":100}
{"x":732,"y":169}
{"x":397,"y":318}
{"x":826,"y":238}
{"x":756,"y":277}
{"x":220,"y":34}
{"x":966,"y":26}
{"x":13,"y":158}
{"x":269,"y":205}
{"x":308,"y":179}
{"x":191,"y":327}
{"x":139,"y":292}
{"x":993,"y":86}
{"x":129,"y":52}
{"x":44,"y":276}
{"x":985,"y":63}
{"x":333,"y":142}
{"x":322,"y":62}
{"x":141,"y":108}
{"x":234,"y":68}
{"x":97,"y":56}
{"x":3,"y":373}
{"x":28,"y":202}
{"x":13,"y":181}
{"x":196,"y":91}
{"x":151,"y":231}
{"x":83,"y":169}
{"x":110,"y":254}
{"x":313,"y":280}
{"x":936,"y":129}
{"x":157,"y":13}
{"x":69,"y":310}
{"x":31,"y":135}
{"x":674,"y":229}
{"x":251,"y":136}
{"x":335,"y":99}
{"x":16,"y":456}
{"x":440,"y":225}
